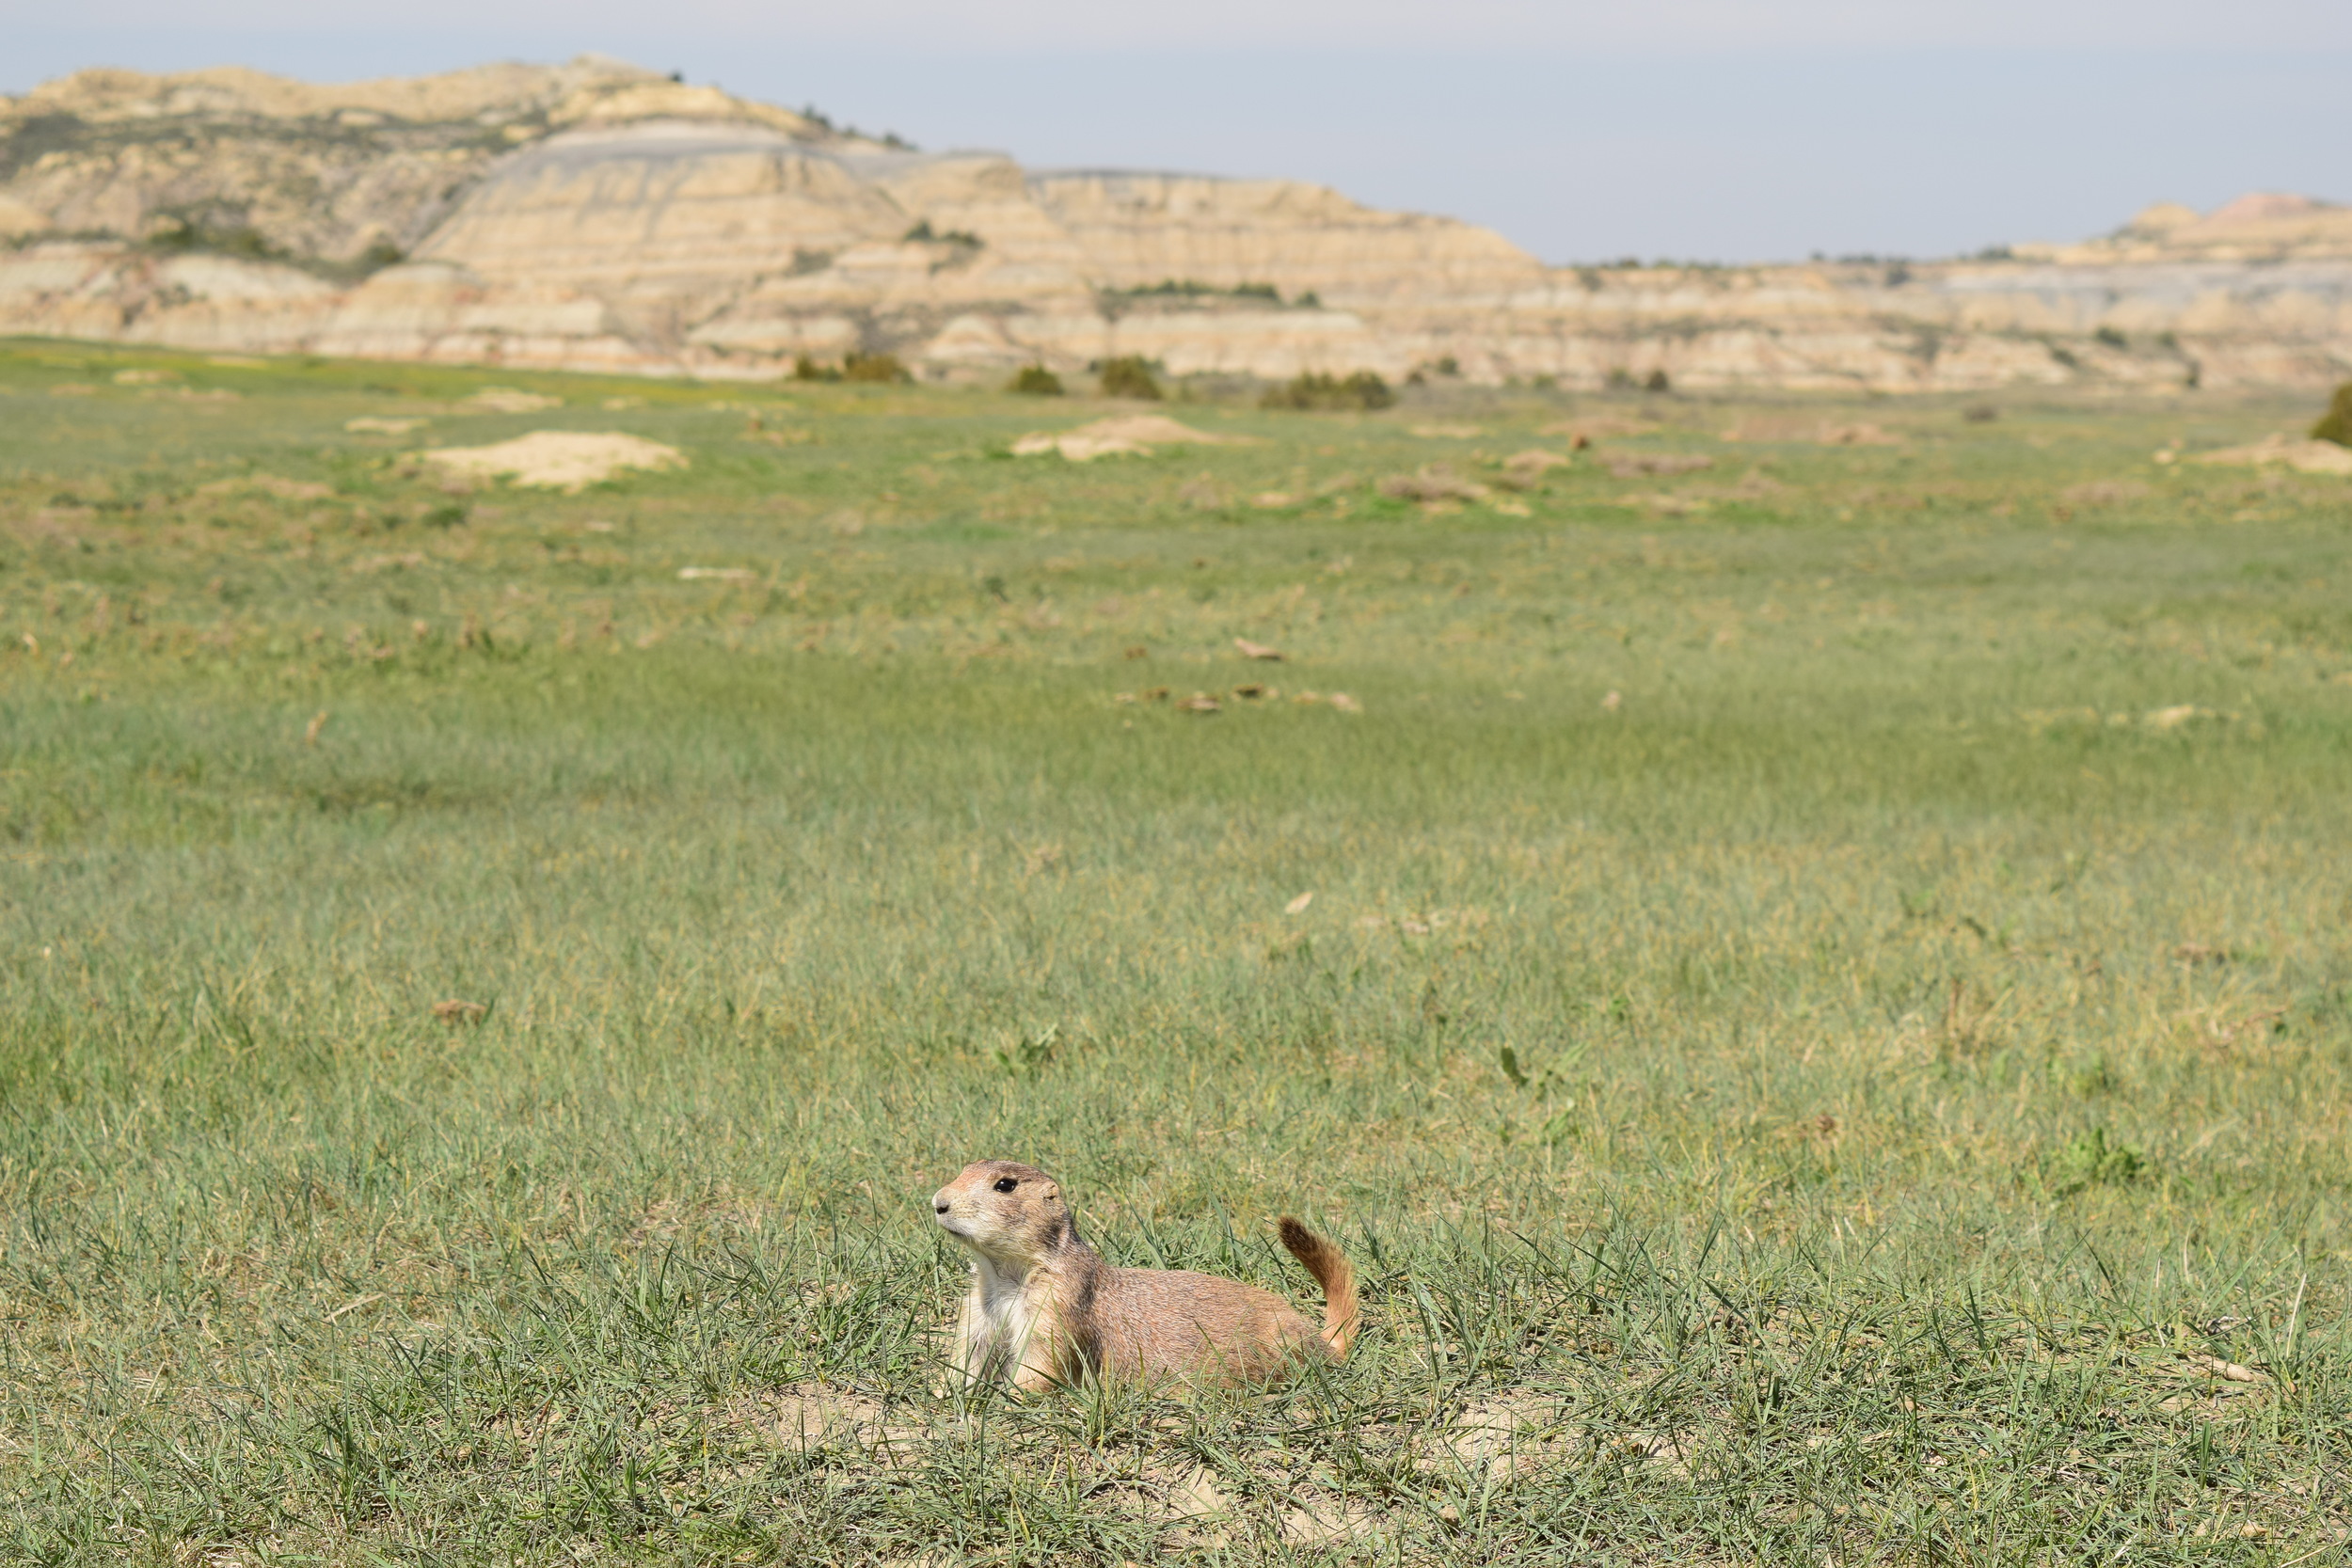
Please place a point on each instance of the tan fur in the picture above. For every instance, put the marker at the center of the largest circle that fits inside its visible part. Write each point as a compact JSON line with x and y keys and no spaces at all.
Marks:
{"x":1334,"y":1272}
{"x":1045,"y":1308}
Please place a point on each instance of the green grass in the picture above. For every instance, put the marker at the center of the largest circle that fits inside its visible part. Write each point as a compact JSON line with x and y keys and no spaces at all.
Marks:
{"x":1840,"y":1099}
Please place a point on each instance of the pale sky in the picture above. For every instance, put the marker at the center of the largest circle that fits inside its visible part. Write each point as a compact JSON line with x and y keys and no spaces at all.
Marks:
{"x":1720,"y":130}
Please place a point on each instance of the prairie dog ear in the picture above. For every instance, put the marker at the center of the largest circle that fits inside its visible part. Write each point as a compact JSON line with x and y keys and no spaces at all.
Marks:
{"x":1052,"y":1192}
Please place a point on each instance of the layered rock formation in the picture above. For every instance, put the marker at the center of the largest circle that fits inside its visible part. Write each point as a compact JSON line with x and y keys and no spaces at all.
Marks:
{"x":596,"y":216}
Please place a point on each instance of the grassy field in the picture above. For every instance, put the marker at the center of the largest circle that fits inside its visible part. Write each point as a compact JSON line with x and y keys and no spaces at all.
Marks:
{"x":1824,"y":1017}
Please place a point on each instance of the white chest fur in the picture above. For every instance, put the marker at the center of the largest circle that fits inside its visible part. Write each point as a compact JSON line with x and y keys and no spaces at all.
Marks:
{"x":1006,"y":1332}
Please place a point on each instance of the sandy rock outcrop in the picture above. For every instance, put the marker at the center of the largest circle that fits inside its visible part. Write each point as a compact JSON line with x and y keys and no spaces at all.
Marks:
{"x":1137,"y":231}
{"x":2261,"y":226}
{"x":593,"y":215}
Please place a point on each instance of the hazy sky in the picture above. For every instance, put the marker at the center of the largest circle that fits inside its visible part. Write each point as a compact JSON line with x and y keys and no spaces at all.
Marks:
{"x":1701,"y":129}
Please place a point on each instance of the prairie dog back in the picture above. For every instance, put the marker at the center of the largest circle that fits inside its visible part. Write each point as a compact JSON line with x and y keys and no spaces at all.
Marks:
{"x":1045,"y":1308}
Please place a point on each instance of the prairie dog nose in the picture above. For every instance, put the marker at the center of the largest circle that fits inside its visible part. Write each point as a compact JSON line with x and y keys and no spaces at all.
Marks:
{"x":938,"y":1207}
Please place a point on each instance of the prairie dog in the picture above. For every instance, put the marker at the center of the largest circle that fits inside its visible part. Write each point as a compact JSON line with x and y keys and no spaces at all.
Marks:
{"x":1046,"y":1309}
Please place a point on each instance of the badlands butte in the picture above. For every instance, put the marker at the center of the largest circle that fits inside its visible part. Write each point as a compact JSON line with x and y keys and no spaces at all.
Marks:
{"x":598,"y":217}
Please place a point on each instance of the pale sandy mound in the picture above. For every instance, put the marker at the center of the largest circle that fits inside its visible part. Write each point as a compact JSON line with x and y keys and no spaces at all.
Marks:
{"x":1631,"y":464}
{"x":2304,"y":457}
{"x":1789,"y":427}
{"x":377,"y":424}
{"x":269,"y":485}
{"x":1434,"y":483}
{"x":1863,"y":435}
{"x":558,"y":459}
{"x":509,"y":399}
{"x":1124,"y":432}
{"x":1595,"y":426}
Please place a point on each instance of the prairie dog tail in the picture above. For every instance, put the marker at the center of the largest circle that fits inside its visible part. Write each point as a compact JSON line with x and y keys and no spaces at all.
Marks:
{"x":1337,"y":1277}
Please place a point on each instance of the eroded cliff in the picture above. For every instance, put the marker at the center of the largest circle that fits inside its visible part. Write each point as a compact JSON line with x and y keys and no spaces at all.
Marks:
{"x":596,"y":215}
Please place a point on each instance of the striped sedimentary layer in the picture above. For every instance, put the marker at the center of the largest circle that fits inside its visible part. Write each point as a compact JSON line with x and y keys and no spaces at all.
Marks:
{"x":595,"y":217}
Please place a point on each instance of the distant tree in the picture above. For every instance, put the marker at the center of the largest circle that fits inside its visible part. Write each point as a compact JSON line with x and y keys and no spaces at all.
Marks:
{"x":923,"y":233}
{"x":1035,"y":381}
{"x":2336,"y":424}
{"x":1361,"y":390}
{"x":1130,"y":376}
{"x":873,"y":367}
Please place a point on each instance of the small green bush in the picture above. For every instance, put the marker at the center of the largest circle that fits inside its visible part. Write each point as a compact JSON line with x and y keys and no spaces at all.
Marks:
{"x":1362,"y":389}
{"x":1192,"y":288}
{"x":873,"y":367}
{"x":805,"y":369}
{"x":2336,"y":424}
{"x":1037,"y":381}
{"x":1657,"y":382}
{"x":2092,"y":1160}
{"x":1130,"y":376}
{"x":923,"y":233}
{"x":238,"y":240}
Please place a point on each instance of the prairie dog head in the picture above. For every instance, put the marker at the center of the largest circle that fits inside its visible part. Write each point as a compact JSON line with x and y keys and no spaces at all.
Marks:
{"x":1006,"y":1211}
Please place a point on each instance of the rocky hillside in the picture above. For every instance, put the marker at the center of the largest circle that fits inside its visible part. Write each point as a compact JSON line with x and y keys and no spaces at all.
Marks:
{"x":596,"y":215}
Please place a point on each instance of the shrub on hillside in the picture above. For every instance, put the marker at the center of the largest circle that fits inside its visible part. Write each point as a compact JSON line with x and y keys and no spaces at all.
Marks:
{"x":923,"y":233}
{"x":1192,"y":288}
{"x":2336,"y":424}
{"x":232,"y":239}
{"x":805,"y":369}
{"x":1130,"y":376}
{"x":1035,"y":381}
{"x":873,"y":367}
{"x":1315,"y":390}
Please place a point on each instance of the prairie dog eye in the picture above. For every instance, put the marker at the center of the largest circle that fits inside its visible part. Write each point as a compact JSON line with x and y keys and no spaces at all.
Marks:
{"x":1006,"y":1183}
